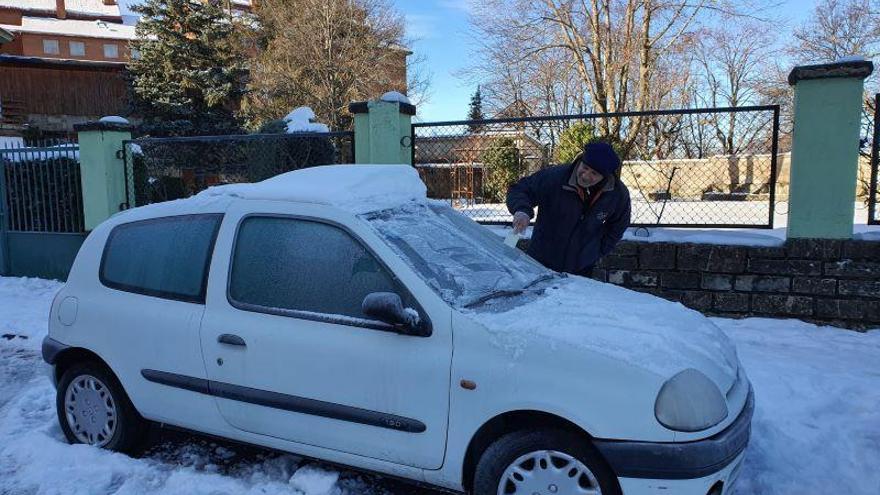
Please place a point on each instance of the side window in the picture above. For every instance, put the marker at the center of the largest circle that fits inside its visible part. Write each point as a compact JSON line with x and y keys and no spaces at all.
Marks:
{"x":163,"y":257}
{"x":301,"y":265}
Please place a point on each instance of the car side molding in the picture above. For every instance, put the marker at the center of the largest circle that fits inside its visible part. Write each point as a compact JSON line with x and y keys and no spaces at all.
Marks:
{"x":286,"y":402}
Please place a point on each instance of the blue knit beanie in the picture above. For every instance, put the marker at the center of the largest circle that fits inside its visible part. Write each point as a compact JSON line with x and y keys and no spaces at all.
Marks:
{"x":600,"y":156}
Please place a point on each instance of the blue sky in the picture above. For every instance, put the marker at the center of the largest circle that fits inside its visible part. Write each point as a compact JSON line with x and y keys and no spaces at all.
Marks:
{"x":442,"y":33}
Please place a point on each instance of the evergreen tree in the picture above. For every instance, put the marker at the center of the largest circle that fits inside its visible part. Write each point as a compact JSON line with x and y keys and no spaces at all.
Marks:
{"x":190,"y":73}
{"x":476,"y":111}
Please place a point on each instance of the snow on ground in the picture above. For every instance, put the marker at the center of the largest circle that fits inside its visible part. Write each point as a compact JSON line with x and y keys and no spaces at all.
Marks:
{"x":815,"y":428}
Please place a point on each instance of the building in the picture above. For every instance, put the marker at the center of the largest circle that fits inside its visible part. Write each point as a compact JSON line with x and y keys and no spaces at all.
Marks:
{"x":63,"y":64}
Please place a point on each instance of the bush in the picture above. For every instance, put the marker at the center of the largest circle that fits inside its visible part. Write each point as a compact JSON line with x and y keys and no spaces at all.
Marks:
{"x":574,"y":138}
{"x":503,"y":167}
{"x":166,"y":170}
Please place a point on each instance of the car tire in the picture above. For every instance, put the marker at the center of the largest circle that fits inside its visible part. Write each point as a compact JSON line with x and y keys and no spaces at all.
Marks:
{"x":561,"y":455}
{"x":94,"y":409}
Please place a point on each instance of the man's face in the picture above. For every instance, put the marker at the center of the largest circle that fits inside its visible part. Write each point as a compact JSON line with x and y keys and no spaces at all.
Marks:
{"x":586,"y":176}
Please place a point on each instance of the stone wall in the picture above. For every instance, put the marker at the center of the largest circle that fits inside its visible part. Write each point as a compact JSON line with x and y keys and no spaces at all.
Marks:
{"x":823,"y":281}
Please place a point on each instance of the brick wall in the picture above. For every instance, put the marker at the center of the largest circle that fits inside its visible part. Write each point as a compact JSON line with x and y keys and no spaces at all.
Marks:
{"x":822,"y":281}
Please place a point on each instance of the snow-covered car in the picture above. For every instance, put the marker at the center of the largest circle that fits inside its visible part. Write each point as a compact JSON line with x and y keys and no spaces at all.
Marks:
{"x":337,"y":313}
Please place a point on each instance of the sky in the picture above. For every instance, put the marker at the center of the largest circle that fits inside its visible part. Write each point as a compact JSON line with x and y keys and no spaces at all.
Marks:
{"x":443,"y":39}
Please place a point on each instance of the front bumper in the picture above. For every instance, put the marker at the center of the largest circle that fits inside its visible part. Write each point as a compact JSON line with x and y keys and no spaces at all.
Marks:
{"x":682,"y":460}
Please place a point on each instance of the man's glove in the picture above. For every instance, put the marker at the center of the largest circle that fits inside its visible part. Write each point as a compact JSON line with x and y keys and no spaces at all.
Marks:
{"x":520,"y":222}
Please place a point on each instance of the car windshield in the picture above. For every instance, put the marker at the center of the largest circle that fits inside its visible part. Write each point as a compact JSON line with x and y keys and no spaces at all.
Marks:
{"x":462,"y":261}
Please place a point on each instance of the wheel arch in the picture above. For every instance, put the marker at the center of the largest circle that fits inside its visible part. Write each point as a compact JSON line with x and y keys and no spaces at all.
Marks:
{"x":73,"y":355}
{"x":509,"y":422}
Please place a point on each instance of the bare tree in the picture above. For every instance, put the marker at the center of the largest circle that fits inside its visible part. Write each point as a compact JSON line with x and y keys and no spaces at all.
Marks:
{"x":621,"y":52}
{"x":842,"y":28}
{"x":325,"y":54}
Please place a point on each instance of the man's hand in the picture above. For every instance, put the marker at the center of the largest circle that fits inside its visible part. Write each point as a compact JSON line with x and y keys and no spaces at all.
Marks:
{"x":520,"y":222}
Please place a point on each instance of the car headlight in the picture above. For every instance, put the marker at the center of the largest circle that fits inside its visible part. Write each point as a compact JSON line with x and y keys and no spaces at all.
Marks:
{"x":690,"y":401}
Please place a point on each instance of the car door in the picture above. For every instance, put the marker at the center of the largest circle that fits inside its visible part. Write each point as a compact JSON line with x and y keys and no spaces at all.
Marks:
{"x":288,"y":352}
{"x":144,"y":316}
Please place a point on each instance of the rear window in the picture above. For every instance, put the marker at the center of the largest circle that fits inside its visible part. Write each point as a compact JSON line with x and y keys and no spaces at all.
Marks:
{"x":162,"y":257}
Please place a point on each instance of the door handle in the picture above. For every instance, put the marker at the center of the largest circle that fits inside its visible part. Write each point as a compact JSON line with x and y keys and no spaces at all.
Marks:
{"x":228,"y":338}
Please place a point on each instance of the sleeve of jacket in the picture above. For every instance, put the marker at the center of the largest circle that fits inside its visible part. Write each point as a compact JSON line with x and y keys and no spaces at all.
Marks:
{"x":527,"y":193}
{"x":617,"y":224}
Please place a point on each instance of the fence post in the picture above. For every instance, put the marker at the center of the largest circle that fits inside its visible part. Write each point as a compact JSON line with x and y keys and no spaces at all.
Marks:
{"x":825,"y":148}
{"x":382,"y":131}
{"x":102,"y":169}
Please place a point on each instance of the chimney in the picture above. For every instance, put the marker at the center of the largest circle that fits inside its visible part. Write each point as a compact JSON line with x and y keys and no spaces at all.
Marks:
{"x":60,"y":10}
{"x":109,"y":2}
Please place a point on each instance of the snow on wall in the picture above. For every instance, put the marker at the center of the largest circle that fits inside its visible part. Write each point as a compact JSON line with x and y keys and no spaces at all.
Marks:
{"x":395,"y":97}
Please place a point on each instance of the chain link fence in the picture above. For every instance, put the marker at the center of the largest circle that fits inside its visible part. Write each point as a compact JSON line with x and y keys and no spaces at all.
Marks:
{"x":40,"y":188}
{"x":684,"y":168}
{"x":163,"y":169}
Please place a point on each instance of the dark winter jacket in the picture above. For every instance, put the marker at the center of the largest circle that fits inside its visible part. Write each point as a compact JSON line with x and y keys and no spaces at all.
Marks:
{"x":570,"y":233}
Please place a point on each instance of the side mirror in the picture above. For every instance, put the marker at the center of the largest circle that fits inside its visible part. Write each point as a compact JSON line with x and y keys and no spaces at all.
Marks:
{"x":388,"y":308}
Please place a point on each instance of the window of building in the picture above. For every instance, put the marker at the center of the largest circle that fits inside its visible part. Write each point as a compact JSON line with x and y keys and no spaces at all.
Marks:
{"x":307,"y":266}
{"x":77,"y":49}
{"x":162,"y":257}
{"x":135,"y":54}
{"x":111,"y":51}
{"x":50,"y":47}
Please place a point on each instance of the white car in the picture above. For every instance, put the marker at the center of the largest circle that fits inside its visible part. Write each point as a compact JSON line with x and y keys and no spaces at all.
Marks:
{"x":336,"y":313}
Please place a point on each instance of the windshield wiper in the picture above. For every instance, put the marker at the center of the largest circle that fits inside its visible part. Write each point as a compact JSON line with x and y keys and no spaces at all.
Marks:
{"x":540,"y":279}
{"x":493,"y":295}
{"x":508,"y":292}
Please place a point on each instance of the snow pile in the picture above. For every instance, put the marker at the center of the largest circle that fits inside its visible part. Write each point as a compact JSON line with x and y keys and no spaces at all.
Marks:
{"x":302,"y":119}
{"x":113,"y":119}
{"x":314,"y":480}
{"x":637,"y":328}
{"x":729,"y":237}
{"x":816,"y":427}
{"x":395,"y":97}
{"x":356,"y":188}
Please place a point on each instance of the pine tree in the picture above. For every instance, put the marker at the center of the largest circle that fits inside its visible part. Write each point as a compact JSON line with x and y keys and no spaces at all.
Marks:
{"x":190,"y":74}
{"x":476,"y":111}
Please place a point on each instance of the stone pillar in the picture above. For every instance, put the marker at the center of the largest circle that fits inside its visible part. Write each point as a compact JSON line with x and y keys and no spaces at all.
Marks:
{"x":102,"y":169}
{"x":825,"y":148}
{"x":382,"y":131}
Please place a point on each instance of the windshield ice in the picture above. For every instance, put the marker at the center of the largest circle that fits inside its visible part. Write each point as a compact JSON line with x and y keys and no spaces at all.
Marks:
{"x":461,"y":260}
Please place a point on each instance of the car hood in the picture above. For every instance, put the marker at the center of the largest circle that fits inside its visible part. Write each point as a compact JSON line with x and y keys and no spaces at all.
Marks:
{"x":584,"y":315}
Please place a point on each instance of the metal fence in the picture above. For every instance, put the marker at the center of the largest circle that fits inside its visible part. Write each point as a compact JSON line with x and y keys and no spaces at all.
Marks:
{"x":874,"y":176}
{"x":40,"y":188}
{"x":162,"y":169}
{"x":684,"y":168}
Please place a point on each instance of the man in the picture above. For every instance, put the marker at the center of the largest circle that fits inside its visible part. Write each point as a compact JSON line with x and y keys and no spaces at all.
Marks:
{"x":583,"y":210}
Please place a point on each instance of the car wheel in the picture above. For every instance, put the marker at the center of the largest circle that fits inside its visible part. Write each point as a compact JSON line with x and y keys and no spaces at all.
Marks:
{"x":93,"y":409}
{"x":545,"y":462}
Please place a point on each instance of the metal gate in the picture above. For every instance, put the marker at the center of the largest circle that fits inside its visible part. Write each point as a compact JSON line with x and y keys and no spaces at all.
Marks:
{"x":873,"y":213}
{"x":41,"y":208}
{"x":713,"y":167}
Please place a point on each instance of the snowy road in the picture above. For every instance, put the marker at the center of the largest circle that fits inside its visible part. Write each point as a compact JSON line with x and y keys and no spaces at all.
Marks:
{"x":816,"y":428}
